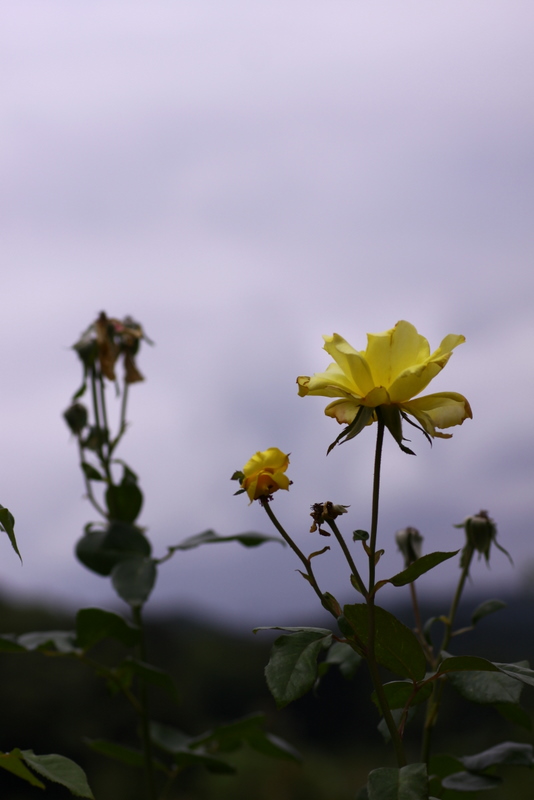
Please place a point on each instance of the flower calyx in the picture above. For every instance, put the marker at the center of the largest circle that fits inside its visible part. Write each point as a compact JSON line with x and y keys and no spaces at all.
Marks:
{"x":480,"y":533}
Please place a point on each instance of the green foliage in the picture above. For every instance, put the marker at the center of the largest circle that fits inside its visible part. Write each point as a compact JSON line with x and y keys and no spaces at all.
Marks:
{"x":54,"y":768}
{"x":400,"y":694}
{"x":407,"y":783}
{"x":396,"y":647}
{"x":486,"y":687}
{"x":101,"y":550}
{"x":418,"y":568}
{"x":475,"y":776}
{"x":344,"y":657}
{"x":251,"y":539}
{"x":292,"y":669}
{"x":126,"y":755}
{"x":133,"y":579}
{"x":488,"y":607}
{"x":7,"y":524}
{"x":95,"y":624}
{"x":152,"y":675}
{"x":124,"y":501}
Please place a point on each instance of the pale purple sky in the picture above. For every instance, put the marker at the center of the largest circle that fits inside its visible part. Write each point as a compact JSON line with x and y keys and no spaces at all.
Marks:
{"x":243,"y":178}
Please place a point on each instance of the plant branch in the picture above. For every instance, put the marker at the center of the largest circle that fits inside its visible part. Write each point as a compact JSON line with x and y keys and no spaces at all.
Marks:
{"x":305,"y":561}
{"x":371,"y":656}
{"x":434,"y":700}
{"x":348,"y":556}
{"x":90,"y":496}
{"x":144,"y":717}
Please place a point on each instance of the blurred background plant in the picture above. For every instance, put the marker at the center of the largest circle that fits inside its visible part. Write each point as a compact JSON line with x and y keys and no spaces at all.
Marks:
{"x":118,"y":548}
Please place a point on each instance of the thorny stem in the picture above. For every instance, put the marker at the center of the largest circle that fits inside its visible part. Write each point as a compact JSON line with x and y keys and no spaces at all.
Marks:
{"x":143,"y":716}
{"x":434,"y":700}
{"x":371,"y":657}
{"x":305,"y":561}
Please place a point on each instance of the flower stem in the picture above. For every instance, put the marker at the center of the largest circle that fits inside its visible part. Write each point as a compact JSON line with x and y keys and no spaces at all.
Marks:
{"x":90,"y":496}
{"x":371,"y":656}
{"x":376,"y":498}
{"x":143,"y":716}
{"x":434,"y":700}
{"x":305,"y":561}
{"x":419,"y":632}
{"x":348,"y":556}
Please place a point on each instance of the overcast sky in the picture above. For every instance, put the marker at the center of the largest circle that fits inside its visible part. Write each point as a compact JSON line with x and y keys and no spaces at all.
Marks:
{"x":244,"y":177}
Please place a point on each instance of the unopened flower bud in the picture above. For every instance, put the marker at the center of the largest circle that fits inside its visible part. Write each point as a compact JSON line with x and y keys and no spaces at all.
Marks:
{"x":76,"y":417}
{"x":321,"y":512}
{"x":410,"y":543}
{"x":481,"y":533}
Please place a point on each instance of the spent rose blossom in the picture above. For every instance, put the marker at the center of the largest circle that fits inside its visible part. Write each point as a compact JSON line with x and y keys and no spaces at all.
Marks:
{"x":264,"y":473}
{"x":395,"y":367}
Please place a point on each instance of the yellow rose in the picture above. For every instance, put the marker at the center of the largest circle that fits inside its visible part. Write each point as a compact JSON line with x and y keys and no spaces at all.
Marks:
{"x":396,"y":366}
{"x":264,"y":473}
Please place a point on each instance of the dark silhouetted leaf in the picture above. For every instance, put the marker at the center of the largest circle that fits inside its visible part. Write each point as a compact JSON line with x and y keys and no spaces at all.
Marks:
{"x":399,"y":693}
{"x":91,"y":473}
{"x":487,"y":687}
{"x":60,"y":770}
{"x":489,"y":607}
{"x":344,"y":657}
{"x":396,"y":646}
{"x":13,"y":762}
{"x":210,"y":537}
{"x":126,"y":755}
{"x":407,"y":783}
{"x":133,"y":579}
{"x":292,"y":668}
{"x":7,"y":524}
{"x":503,"y":753}
{"x":101,"y":550}
{"x":95,"y":624}
{"x":419,"y":567}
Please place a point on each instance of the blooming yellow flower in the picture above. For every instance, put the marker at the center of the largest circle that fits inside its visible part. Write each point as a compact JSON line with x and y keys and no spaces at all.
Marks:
{"x":264,"y":473}
{"x":396,"y":366}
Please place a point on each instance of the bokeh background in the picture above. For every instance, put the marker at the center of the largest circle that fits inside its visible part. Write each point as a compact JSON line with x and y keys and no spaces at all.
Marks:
{"x":243,"y":177}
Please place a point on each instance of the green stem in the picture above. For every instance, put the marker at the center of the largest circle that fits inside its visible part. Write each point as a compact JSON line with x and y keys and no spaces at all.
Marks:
{"x":375,"y":503}
{"x":419,"y":626}
{"x":434,"y":700}
{"x":90,"y":496}
{"x":348,"y":556}
{"x":103,"y":407}
{"x":305,"y":561}
{"x":143,"y":716}
{"x":371,"y":656}
{"x":100,"y":452}
{"x":122,"y":420}
{"x":467,"y":556}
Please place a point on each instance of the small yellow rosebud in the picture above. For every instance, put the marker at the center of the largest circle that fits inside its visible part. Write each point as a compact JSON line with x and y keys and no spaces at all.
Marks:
{"x":410,"y":543}
{"x":264,"y":474}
